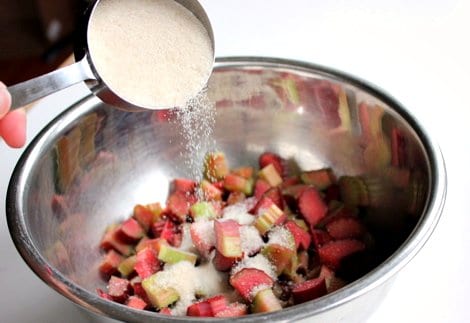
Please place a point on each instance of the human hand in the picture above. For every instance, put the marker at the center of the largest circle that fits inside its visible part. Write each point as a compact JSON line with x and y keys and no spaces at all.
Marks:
{"x":12,"y":124}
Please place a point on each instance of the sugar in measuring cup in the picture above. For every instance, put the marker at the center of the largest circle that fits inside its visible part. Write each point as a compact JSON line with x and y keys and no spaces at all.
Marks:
{"x":135,"y":55}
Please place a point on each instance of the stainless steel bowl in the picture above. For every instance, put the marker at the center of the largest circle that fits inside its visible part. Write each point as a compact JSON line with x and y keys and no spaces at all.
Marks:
{"x":91,"y":164}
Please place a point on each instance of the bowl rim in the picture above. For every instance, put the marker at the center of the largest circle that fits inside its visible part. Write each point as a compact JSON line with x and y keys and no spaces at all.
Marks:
{"x":375,"y":278}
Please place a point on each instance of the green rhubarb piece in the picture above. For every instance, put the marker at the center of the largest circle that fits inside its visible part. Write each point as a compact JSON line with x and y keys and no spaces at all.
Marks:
{"x":159,"y":297}
{"x":270,"y":175}
{"x":126,"y":267}
{"x":290,"y":270}
{"x":268,"y":218}
{"x":266,"y":301}
{"x":203,"y":210}
{"x":171,"y":255}
{"x":279,"y":256}
{"x":215,"y":166}
{"x":301,"y":223}
{"x":320,"y":178}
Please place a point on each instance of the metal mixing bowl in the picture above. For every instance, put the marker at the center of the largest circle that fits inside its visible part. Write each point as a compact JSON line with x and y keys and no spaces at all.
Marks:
{"x":92,"y":164}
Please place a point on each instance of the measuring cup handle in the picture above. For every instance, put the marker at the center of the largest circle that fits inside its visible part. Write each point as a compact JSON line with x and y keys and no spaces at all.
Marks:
{"x":41,"y":86}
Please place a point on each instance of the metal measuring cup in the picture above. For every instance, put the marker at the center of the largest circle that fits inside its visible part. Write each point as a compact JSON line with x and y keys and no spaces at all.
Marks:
{"x":84,"y":69}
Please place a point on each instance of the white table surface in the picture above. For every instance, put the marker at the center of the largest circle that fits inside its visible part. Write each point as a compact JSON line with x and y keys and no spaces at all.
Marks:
{"x":417,"y":50}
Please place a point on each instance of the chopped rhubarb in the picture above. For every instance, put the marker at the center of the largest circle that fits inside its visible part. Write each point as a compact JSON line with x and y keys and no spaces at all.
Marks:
{"x":165,"y":311}
{"x":110,"y":263}
{"x":218,"y":303}
{"x":320,"y":237}
{"x":275,"y":195}
{"x":345,"y":227}
{"x":261,"y":187}
{"x":236,"y":183}
{"x":227,"y":237}
{"x":320,"y":178}
{"x":118,"y":289}
{"x":333,"y":252}
{"x":183,"y":185}
{"x":222,"y":263}
{"x":332,"y":282}
{"x":152,"y":243}
{"x":130,"y":230}
{"x":101,"y":293}
{"x":248,"y":280}
{"x":126,"y":267}
{"x":136,"y":302}
{"x":309,"y":290}
{"x":171,"y":255}
{"x":203,"y":210}
{"x":233,"y":310}
{"x":159,"y":297}
{"x":270,"y":175}
{"x":266,"y":301}
{"x":215,"y":166}
{"x":201,"y":309}
{"x":144,"y":216}
{"x":302,"y":237}
{"x":311,"y":206}
{"x":270,"y":158}
{"x":353,"y":191}
{"x":178,"y":205}
{"x":269,"y":215}
{"x":280,"y":256}
{"x":210,"y":191}
{"x":246,"y":172}
{"x":147,"y":263}
{"x":111,"y":241}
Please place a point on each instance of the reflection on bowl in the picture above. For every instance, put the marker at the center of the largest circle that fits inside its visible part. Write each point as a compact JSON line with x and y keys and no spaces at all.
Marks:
{"x":92,"y":164}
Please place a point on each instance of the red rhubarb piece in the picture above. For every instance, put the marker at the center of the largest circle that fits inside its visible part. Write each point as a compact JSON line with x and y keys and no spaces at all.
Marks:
{"x":139,"y":291}
{"x":110,"y":263}
{"x":261,"y":187}
{"x":178,"y":205}
{"x":111,"y":241}
{"x":271,"y":158}
{"x":320,"y":237}
{"x":131,"y":231}
{"x":345,"y":227}
{"x":311,"y":206}
{"x":275,"y":195}
{"x":218,"y":303}
{"x":235,"y":197}
{"x":147,"y":263}
{"x":144,"y":216}
{"x":183,"y":185}
{"x":249,"y":279}
{"x":201,"y":309}
{"x":333,"y":252}
{"x":199,"y":235}
{"x":309,"y":290}
{"x":233,"y":310}
{"x":302,"y":238}
{"x":222,"y":263}
{"x":118,"y":289}
{"x":136,"y":302}
{"x":165,"y":311}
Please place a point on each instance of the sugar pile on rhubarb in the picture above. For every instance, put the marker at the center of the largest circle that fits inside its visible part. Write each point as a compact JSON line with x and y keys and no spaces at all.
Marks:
{"x":237,"y":241}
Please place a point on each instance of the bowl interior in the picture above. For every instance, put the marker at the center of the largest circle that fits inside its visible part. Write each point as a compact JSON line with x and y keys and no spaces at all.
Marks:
{"x":92,"y":165}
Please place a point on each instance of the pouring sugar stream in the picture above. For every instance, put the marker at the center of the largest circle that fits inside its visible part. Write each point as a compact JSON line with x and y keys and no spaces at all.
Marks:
{"x":135,"y":55}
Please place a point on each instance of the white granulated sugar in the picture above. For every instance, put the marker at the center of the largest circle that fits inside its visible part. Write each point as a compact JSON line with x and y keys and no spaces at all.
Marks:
{"x":188,"y":281}
{"x":281,"y":236}
{"x":196,"y":121}
{"x":251,"y":241}
{"x":152,"y":53}
{"x":206,"y":232}
{"x":239,"y":213}
{"x":258,"y":262}
{"x":186,"y":241}
{"x":258,"y":289}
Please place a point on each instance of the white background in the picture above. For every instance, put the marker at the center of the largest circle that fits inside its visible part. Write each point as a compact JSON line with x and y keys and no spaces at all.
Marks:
{"x":418,"y":51}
